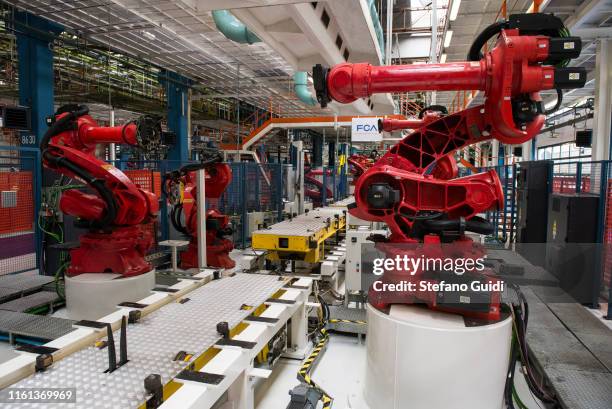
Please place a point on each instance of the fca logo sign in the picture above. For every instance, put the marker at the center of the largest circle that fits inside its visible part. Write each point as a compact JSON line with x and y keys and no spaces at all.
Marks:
{"x":367,"y":128}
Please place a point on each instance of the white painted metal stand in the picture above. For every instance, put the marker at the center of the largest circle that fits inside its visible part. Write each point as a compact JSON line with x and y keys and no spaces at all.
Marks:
{"x":174,"y":244}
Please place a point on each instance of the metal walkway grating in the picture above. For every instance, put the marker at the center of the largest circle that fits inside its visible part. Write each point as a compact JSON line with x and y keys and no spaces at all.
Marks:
{"x":24,"y":282}
{"x":35,"y":326}
{"x":28,"y":302}
{"x":569,"y":345}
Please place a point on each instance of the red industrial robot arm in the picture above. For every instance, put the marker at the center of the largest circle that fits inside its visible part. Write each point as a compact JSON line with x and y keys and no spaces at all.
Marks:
{"x":181,"y":191}
{"x":421,"y":201}
{"x":510,"y":75}
{"x":118,"y":213}
{"x":68,"y":147}
{"x":404,"y":182}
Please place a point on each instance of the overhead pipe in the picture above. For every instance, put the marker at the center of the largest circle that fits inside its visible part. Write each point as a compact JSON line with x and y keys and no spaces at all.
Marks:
{"x":300,"y":85}
{"x":237,"y":31}
{"x":233,"y":28}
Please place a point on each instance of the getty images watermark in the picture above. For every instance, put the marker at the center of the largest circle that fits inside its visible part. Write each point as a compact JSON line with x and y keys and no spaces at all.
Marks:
{"x":414,"y":266}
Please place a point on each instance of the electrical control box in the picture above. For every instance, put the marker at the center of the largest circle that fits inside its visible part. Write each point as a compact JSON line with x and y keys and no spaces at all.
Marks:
{"x":358,"y":246}
{"x":532,"y":189}
{"x":573,"y":254}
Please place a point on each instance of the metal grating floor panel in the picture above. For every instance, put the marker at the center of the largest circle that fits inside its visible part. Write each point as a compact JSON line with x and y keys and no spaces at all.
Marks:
{"x":153,"y":343}
{"x":8,"y":293}
{"x":48,"y":328}
{"x":34,"y":300}
{"x":36,"y":326}
{"x":24,"y":282}
{"x":340,"y":312}
{"x":11,"y":319}
{"x":580,"y":389}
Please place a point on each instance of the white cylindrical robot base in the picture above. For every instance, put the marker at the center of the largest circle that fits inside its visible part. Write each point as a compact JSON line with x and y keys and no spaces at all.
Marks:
{"x":92,"y":296}
{"x":423,"y":359}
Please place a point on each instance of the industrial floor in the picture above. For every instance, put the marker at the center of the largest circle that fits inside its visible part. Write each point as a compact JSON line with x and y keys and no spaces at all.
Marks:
{"x":340,"y":372}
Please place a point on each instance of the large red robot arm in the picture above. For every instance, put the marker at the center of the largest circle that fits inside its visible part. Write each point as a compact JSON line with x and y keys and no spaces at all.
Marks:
{"x":116,"y":214}
{"x":68,"y":147}
{"x":400,"y":188}
{"x":180,"y":187}
{"x":510,"y":75}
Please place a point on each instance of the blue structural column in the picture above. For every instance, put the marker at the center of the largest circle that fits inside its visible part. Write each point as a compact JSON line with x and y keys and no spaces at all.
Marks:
{"x":177,"y":98}
{"x":35,"y":36}
{"x":501,"y":155}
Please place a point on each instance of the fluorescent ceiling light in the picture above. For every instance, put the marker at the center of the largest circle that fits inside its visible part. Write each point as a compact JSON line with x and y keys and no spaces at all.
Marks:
{"x":454,"y":10}
{"x":149,"y":35}
{"x":448,"y":37}
{"x":443,"y":58}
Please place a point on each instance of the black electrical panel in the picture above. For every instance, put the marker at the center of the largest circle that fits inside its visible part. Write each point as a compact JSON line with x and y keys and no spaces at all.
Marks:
{"x":573,"y":254}
{"x":584,"y":138}
{"x":533,"y":186}
{"x":13,"y":117}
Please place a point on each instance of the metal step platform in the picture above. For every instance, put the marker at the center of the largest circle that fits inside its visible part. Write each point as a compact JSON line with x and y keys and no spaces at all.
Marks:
{"x":18,"y":324}
{"x":346,"y":319}
{"x":14,"y":285}
{"x":28,"y":302}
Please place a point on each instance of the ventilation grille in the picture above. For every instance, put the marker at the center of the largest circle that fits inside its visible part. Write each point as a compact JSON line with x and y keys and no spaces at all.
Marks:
{"x":16,"y":118}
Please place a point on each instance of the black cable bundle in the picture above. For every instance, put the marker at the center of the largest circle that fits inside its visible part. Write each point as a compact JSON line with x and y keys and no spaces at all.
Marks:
{"x":175,"y":219}
{"x":66,"y":123}
{"x":520,"y":351}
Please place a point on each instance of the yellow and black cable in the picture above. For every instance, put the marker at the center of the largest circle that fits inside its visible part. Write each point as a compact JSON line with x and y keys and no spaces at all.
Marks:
{"x":304,"y":371}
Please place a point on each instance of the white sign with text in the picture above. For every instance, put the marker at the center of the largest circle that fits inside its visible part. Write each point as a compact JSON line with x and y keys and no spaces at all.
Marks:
{"x":365,"y":130}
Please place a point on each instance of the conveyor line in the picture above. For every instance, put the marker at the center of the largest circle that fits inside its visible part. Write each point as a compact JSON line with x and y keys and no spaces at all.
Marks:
{"x":302,"y":237}
{"x":153,"y":344}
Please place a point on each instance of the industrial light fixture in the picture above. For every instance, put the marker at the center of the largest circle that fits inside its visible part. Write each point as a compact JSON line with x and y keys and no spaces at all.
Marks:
{"x":448,"y":37}
{"x":454,"y":10}
{"x":149,"y":35}
{"x":443,"y":58}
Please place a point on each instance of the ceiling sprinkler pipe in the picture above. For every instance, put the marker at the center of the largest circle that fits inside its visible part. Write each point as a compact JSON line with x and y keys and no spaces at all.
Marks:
{"x":300,"y":80}
{"x":233,"y":28}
